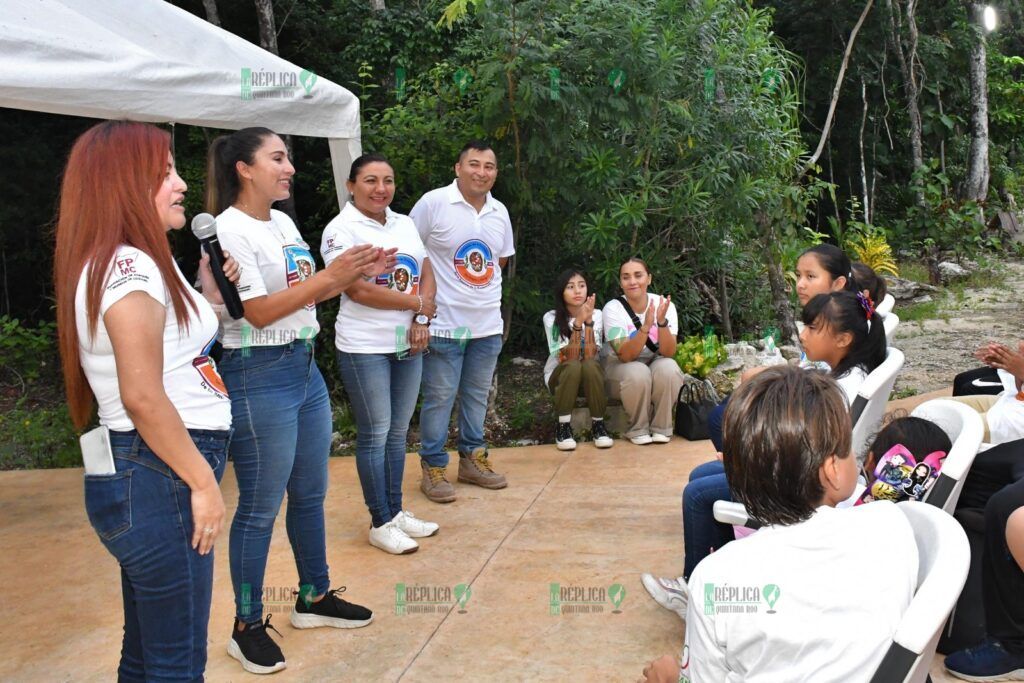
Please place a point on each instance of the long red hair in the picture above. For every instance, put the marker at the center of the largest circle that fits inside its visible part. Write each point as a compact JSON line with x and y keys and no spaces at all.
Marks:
{"x":106,"y":199}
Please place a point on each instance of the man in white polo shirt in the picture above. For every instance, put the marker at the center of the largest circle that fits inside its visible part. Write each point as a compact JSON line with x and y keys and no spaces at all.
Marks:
{"x":468,"y":236}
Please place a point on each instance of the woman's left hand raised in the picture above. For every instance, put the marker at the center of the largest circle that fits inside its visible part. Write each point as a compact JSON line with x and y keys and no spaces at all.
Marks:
{"x":666,"y":301}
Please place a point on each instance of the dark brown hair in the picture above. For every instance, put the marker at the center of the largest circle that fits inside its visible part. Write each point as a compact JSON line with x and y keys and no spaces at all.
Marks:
{"x":779,"y":428}
{"x":635,"y":259}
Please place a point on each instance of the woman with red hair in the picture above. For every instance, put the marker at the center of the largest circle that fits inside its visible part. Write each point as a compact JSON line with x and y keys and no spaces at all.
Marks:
{"x":135,"y":339}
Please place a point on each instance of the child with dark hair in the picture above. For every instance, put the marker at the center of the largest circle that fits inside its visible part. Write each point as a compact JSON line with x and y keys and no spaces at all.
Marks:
{"x":770,"y":609}
{"x":905,"y":460}
{"x":574,"y":333}
{"x":823,"y":268}
{"x":870,"y":283}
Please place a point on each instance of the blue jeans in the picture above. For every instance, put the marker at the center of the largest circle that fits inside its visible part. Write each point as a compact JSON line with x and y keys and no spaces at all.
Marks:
{"x":143,"y":515}
{"x":282,"y":420}
{"x":456,"y":367}
{"x":701,"y":533}
{"x":383,"y":393}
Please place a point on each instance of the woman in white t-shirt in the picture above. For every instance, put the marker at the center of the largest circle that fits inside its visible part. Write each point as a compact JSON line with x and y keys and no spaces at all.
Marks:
{"x":282,"y":413}
{"x":573,"y":330}
{"x":381,"y":335}
{"x":135,"y":337}
{"x":639,"y":364}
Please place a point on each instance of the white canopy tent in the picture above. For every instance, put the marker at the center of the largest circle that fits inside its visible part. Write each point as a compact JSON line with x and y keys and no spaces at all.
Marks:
{"x":147,"y":60}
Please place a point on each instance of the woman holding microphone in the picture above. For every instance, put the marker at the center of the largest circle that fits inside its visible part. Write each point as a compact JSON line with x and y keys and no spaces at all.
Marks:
{"x":381,"y":334}
{"x":135,"y":336}
{"x":279,"y":402}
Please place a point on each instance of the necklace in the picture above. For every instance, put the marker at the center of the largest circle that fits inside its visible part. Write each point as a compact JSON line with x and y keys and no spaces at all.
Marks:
{"x":244,"y":208}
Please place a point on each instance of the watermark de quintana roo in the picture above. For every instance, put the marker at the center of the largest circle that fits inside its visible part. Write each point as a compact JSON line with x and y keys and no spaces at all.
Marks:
{"x":430,"y":599}
{"x":579,"y":599}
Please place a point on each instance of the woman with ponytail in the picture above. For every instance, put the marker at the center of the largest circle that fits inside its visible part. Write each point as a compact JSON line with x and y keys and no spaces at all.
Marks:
{"x":281,"y":410}
{"x":135,"y":339}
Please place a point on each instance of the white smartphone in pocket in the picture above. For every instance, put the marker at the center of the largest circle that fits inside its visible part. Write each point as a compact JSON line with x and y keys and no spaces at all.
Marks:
{"x":96,"y":453}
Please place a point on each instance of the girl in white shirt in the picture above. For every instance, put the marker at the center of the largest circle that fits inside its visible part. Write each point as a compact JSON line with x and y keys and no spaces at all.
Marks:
{"x":279,"y":401}
{"x":380,"y":337}
{"x":135,"y":339}
{"x":573,"y":330}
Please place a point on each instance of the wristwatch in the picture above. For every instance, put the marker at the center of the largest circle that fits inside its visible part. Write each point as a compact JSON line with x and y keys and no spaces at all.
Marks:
{"x":421,"y":319}
{"x":664,"y":324}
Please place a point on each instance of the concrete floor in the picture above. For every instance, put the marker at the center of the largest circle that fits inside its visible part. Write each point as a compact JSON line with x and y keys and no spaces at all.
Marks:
{"x":585,"y":520}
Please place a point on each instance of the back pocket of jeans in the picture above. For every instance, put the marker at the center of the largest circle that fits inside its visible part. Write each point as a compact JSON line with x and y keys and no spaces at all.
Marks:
{"x":108,"y":502}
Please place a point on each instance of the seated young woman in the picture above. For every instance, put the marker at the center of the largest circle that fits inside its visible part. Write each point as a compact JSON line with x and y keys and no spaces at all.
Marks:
{"x":639,"y":365}
{"x":574,"y":331}
{"x":788,"y":457}
{"x":841,"y":330}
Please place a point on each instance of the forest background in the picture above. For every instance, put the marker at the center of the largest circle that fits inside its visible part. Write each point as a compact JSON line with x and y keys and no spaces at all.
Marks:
{"x":714,"y":138}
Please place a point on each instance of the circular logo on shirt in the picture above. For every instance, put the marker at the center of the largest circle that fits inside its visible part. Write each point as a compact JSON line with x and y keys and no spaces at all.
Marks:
{"x":406,"y":277}
{"x":207,"y":369}
{"x":474,"y":263}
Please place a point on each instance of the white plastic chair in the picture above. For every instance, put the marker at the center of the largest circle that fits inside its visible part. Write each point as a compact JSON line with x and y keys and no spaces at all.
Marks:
{"x":885,"y":306}
{"x":890,"y":322}
{"x":965,"y":429}
{"x":868,"y":407}
{"x":943,"y":560}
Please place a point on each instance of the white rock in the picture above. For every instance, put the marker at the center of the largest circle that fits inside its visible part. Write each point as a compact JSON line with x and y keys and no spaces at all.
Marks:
{"x":525,"y":362}
{"x":950,"y":272}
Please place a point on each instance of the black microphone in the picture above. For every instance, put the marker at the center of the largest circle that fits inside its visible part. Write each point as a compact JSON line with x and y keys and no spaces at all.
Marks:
{"x":204,"y":227}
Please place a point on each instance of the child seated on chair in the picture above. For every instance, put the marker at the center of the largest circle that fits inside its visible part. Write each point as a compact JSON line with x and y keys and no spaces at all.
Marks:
{"x":781,"y":604}
{"x":574,"y":330}
{"x":904,"y":460}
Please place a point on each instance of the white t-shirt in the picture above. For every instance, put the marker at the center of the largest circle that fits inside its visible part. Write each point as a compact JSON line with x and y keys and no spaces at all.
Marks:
{"x":364,"y":329}
{"x":1006,"y":418}
{"x":556,"y":342}
{"x":851,"y":382}
{"x":464,"y":249}
{"x":619,"y":325}
{"x":838,"y":585}
{"x":273,"y":257}
{"x":191,"y":381}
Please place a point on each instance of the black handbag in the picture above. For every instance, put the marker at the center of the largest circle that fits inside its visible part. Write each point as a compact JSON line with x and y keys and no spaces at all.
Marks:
{"x":696,"y":401}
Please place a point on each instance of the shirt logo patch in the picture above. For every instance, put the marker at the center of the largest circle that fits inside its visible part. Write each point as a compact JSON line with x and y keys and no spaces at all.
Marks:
{"x":405,"y":279}
{"x":474,"y":264}
{"x":299,"y":266}
{"x":207,"y":369}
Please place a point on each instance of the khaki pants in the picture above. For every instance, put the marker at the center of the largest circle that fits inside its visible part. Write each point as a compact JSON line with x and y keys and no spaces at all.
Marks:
{"x":573,"y":378}
{"x":642,"y":386}
{"x":980,"y":403}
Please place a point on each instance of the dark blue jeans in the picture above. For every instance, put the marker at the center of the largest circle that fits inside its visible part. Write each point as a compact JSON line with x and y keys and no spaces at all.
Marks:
{"x":715,"y":418}
{"x":282,"y":420}
{"x":143,"y":515}
{"x":383,"y":391}
{"x":453,"y":368}
{"x":701,"y":533}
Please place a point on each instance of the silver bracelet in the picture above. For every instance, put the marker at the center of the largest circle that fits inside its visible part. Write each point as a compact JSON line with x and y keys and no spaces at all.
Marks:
{"x":420,"y":309}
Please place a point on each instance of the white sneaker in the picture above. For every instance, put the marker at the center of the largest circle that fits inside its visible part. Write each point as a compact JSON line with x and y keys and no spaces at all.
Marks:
{"x":641,"y":439}
{"x":660,"y":438}
{"x":414,"y":527}
{"x":564,"y":438}
{"x":389,"y":538}
{"x":672,"y":594}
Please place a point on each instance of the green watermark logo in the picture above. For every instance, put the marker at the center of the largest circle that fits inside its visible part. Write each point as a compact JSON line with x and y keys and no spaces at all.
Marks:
{"x":260,"y":84}
{"x":725,"y":599}
{"x":572,"y":599}
{"x":420,"y":599}
{"x":275,"y":599}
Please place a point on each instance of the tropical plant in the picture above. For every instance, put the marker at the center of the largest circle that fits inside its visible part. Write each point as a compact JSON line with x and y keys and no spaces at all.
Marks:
{"x":698,"y":355}
{"x":869,"y":245}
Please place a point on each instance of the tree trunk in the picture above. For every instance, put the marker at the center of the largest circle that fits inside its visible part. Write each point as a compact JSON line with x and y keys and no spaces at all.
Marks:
{"x":378,"y":5}
{"x":906,"y":59}
{"x":723,"y":298}
{"x":776,"y":278}
{"x":212,"y":15}
{"x":863,"y":162}
{"x":265,"y":19}
{"x":976,"y":184}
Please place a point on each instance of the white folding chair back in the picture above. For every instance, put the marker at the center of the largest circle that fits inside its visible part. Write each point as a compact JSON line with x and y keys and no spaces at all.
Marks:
{"x":890,"y":322}
{"x":885,"y":306}
{"x":943,"y":560}
{"x":965,"y":429}
{"x":869,"y":405}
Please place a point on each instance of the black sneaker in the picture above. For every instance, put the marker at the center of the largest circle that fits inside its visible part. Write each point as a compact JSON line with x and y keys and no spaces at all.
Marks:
{"x":600,"y":434}
{"x":255,"y":649}
{"x":564,"y":438}
{"x":330,"y":611}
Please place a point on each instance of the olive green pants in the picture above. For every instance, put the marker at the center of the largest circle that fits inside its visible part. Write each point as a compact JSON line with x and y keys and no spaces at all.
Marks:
{"x":575,"y":378}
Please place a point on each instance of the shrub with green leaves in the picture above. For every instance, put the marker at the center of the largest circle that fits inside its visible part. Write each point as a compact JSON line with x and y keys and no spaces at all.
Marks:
{"x":698,"y":356}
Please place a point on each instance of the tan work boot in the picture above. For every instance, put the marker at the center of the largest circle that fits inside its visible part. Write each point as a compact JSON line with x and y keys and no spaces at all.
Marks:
{"x":435,"y":485}
{"x":476,"y":469}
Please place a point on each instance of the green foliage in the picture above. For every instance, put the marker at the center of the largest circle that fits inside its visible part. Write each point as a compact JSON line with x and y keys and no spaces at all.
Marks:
{"x":26,"y":350}
{"x":38,"y":437}
{"x":697,"y":355}
{"x":943,"y":223}
{"x":869,"y":245}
